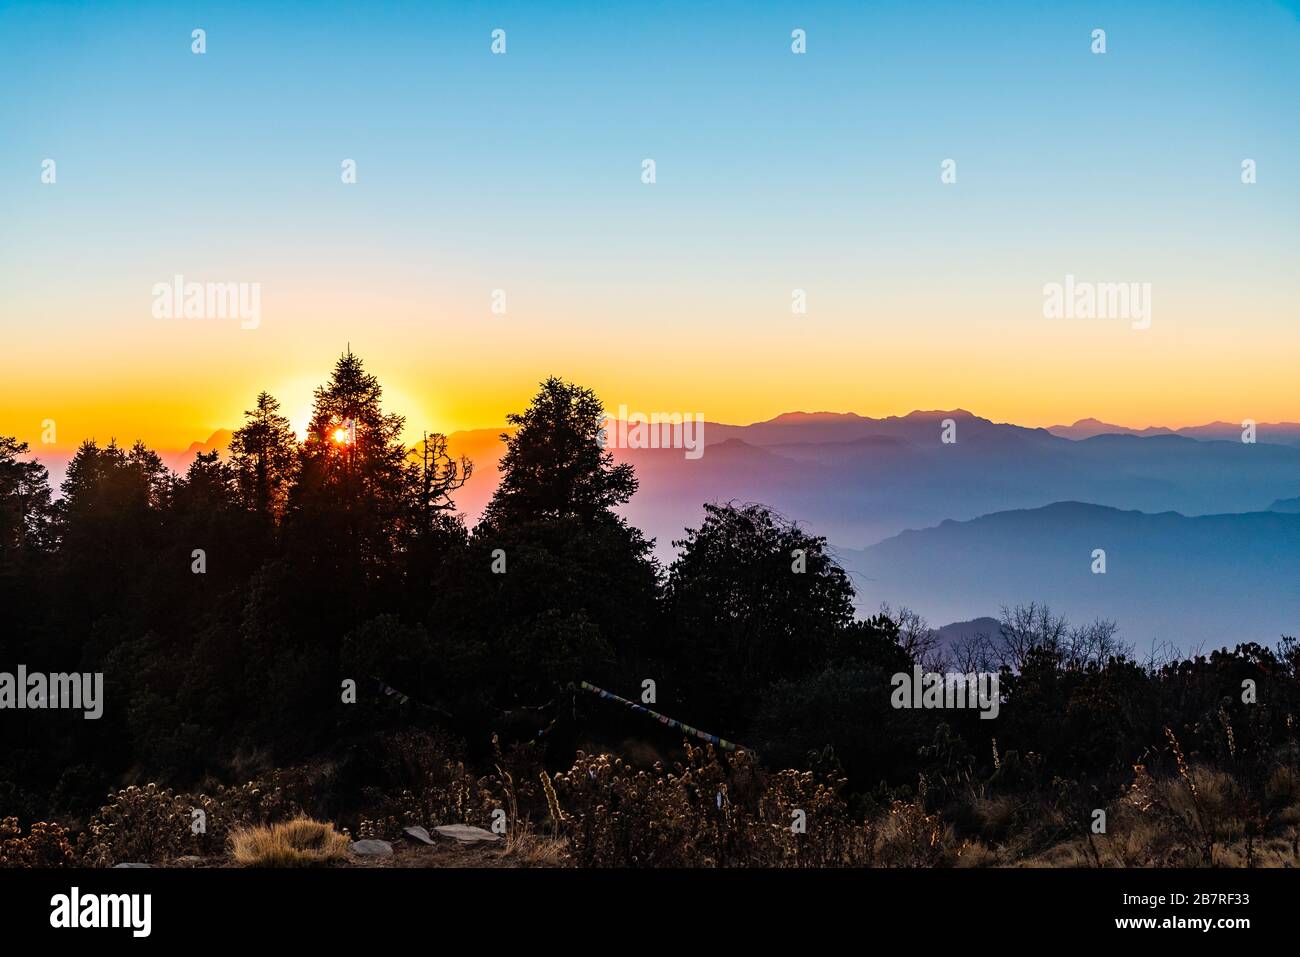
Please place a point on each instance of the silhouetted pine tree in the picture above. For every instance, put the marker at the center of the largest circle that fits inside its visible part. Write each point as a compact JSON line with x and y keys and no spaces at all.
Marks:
{"x":352,"y":504}
{"x":555,"y":466}
{"x":263,"y":452}
{"x":555,"y":587}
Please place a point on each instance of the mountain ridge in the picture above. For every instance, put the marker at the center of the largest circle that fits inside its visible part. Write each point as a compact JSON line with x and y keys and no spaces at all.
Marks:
{"x":1188,"y":580}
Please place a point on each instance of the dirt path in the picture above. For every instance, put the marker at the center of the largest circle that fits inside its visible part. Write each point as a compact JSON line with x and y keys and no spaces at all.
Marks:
{"x":406,"y":853}
{"x":443,"y":854}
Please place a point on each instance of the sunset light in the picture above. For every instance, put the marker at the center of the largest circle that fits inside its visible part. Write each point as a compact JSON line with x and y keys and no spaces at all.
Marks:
{"x":603,"y":437}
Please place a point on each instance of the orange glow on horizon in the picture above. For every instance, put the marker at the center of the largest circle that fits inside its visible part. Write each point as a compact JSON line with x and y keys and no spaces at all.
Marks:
{"x":173,"y":390}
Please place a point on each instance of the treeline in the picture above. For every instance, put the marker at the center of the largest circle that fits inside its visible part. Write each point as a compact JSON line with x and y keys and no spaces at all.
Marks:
{"x":227,"y":606}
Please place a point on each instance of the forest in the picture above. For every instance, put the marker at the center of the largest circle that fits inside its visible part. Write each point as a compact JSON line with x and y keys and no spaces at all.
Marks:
{"x":308,"y":626}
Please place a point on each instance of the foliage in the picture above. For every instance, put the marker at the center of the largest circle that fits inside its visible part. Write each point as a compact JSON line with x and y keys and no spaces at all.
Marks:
{"x":46,"y":845}
{"x":556,"y":465}
{"x":341,"y":557}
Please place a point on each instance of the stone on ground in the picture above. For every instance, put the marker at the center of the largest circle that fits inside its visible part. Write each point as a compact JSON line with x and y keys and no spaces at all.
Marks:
{"x":418,"y":833}
{"x":372,"y":848}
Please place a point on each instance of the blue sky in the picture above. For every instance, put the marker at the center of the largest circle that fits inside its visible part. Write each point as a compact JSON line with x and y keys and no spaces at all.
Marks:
{"x":774,"y":170}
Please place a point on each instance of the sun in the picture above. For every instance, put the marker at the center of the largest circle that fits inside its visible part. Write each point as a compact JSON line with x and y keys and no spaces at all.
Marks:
{"x":341,"y":436}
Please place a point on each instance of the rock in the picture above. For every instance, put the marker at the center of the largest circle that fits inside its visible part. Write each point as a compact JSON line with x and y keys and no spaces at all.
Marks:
{"x":372,"y":848}
{"x":132,"y":864}
{"x":466,"y":834}
{"x":418,"y":833}
{"x":189,"y":859}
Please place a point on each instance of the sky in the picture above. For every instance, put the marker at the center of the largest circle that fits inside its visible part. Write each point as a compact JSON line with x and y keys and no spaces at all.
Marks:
{"x":522,"y":172}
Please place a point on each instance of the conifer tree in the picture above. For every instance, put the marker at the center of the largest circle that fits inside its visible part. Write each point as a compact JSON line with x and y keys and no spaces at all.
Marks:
{"x":263,"y":454}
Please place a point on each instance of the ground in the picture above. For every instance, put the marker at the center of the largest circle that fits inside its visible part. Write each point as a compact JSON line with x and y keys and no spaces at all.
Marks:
{"x":406,"y":853}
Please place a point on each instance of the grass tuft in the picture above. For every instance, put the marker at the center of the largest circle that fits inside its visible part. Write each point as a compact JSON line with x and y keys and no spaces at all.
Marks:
{"x":301,"y":842}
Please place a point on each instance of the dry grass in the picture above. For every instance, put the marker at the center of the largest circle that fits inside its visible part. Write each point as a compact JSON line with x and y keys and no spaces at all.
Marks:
{"x":301,"y":842}
{"x":537,"y":850}
{"x":1198,"y":817}
{"x":996,"y":816}
{"x":977,"y":854}
{"x":1283,"y":787}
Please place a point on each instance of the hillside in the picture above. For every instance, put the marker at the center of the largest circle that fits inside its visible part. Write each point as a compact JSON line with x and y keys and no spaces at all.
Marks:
{"x":1192,"y":581}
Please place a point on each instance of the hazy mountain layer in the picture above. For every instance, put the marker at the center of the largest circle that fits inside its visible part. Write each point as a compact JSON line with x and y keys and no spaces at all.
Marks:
{"x":1190,"y":581}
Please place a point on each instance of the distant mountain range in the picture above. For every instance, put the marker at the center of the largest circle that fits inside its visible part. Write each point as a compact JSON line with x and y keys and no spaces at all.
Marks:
{"x":218,"y":441}
{"x":1276,"y":433}
{"x":1201,"y":529}
{"x":861,"y":480}
{"x":959,"y":634}
{"x":1192,"y":581}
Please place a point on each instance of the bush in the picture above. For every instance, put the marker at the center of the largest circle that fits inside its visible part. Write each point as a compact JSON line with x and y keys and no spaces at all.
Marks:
{"x":46,"y":845}
{"x":426,"y":784}
{"x":151,"y":824}
{"x":707,"y":813}
{"x":143,"y":825}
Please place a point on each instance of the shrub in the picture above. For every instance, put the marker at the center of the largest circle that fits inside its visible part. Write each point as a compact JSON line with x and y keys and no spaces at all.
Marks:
{"x":151,"y":824}
{"x":428,"y":786}
{"x":147,"y":825}
{"x":46,"y":845}
{"x":706,"y":813}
